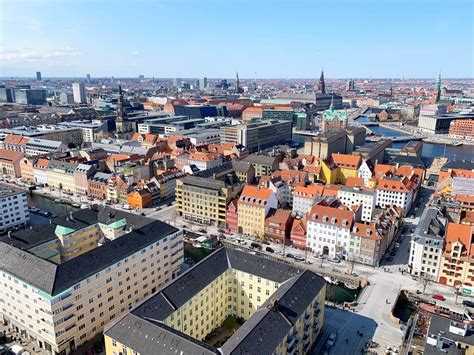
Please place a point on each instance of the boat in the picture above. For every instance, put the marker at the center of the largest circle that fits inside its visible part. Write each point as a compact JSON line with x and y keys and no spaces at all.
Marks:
{"x":34,"y":209}
{"x":84,"y":206}
{"x":75,"y":205}
{"x":197,"y":245}
{"x":330,"y":280}
{"x":58,"y":200}
{"x":351,"y":286}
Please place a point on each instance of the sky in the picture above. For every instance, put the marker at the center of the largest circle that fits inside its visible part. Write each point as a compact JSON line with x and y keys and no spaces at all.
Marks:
{"x":215,"y":38}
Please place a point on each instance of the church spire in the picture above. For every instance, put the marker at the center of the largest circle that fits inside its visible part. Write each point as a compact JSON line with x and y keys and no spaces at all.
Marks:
{"x":237,"y":89}
{"x":121,"y":114}
{"x":438,"y":88}
{"x":322,"y":84}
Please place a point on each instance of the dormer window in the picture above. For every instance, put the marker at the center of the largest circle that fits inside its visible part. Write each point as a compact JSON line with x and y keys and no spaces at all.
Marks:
{"x":333,"y":220}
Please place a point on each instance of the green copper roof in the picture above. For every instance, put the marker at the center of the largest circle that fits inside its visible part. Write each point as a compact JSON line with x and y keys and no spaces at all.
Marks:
{"x":331,"y":113}
{"x":60,"y":230}
{"x":118,"y":224}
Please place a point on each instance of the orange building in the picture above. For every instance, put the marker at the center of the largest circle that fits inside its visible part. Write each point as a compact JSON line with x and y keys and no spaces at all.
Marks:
{"x":140,"y":199}
{"x":461,"y":129}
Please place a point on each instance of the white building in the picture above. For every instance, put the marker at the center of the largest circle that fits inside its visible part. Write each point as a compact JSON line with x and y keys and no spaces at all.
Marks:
{"x":398,"y":191}
{"x":427,"y":244}
{"x":79,"y":93}
{"x":13,"y":208}
{"x":280,"y":188}
{"x":355,"y":196}
{"x":40,"y":171}
{"x":364,"y":172}
{"x":43,"y":146}
{"x":329,"y":231}
{"x":204,"y":161}
{"x":304,"y":198}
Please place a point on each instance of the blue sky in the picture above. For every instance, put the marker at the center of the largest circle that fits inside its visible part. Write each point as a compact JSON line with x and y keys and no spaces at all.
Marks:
{"x":274,"y":39}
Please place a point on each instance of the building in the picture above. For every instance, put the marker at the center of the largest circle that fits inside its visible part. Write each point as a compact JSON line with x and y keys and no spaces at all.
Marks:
{"x":398,"y":190}
{"x":6,"y":94}
{"x":333,"y":120}
{"x":448,"y":336}
{"x":204,"y":199}
{"x":140,"y":199}
{"x":202,"y":84}
{"x":69,"y":278}
{"x":364,"y":172}
{"x":365,"y":198}
{"x":427,"y":243}
{"x":278,"y":226}
{"x":10,"y":163}
{"x":282,"y":308}
{"x":245,"y":171}
{"x":324,"y":101}
{"x":66,"y":98}
{"x":79,"y":93}
{"x":38,"y":76}
{"x":256,"y":136}
{"x":13,"y":208}
{"x":61,"y":175}
{"x":337,"y":168}
{"x":304,"y":197}
{"x":457,"y":266}
{"x":232,"y":217}
{"x":204,"y":161}
{"x":253,"y":206}
{"x":30,"y":96}
{"x":263,"y":164}
{"x":441,"y":123}
{"x":82,"y":174}
{"x":328,"y":143}
{"x":298,"y":234}
{"x":462,"y":129}
{"x":329,"y":231}
{"x":98,"y":185}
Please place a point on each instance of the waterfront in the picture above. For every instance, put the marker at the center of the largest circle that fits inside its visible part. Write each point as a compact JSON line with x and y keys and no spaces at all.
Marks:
{"x":47,"y":205}
{"x":338,"y":293}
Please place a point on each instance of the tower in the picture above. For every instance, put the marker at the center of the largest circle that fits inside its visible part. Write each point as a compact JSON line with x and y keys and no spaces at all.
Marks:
{"x":38,"y":76}
{"x":237,"y":89}
{"x":79,"y":93}
{"x":122,"y":125}
{"x":322,"y":84}
{"x":438,"y":88}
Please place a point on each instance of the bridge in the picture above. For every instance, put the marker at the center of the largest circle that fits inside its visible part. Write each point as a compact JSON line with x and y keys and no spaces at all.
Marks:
{"x":396,"y":139}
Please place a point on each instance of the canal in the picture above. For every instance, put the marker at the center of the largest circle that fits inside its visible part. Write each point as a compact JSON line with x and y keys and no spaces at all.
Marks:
{"x":338,"y":293}
{"x":47,"y":205}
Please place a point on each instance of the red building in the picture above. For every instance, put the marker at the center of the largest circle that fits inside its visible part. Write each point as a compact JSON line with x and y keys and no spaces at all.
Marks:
{"x":298,"y":234}
{"x":231,"y":217}
{"x":278,"y":226}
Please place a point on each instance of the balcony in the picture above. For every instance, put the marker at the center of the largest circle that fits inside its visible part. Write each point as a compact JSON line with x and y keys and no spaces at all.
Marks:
{"x":290,"y":341}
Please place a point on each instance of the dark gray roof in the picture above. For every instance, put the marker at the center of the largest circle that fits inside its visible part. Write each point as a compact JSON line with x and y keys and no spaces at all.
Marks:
{"x":439,"y":326}
{"x":149,"y":338}
{"x":410,"y":160}
{"x":458,"y":164}
{"x":260,"y":159}
{"x":57,"y":278}
{"x":242,"y":166}
{"x":7,"y":190}
{"x":30,"y":237}
{"x":203,"y":182}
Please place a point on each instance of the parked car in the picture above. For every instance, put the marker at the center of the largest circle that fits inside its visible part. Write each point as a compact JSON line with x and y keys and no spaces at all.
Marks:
{"x":289,"y":255}
{"x":299,"y":257}
{"x":279,"y":252}
{"x":331,"y":340}
{"x":439,"y":297}
{"x":265,"y":242}
{"x":269,"y":249}
{"x":255,"y":245}
{"x":202,"y":230}
{"x":397,"y":245}
{"x":468,"y":303}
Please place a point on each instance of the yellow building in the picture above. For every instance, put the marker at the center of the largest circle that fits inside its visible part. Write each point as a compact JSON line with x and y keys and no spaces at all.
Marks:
{"x":339,"y":167}
{"x":253,"y":206}
{"x":65,"y":280}
{"x":280,"y":308}
{"x":457,"y":260}
{"x":204,"y":200}
{"x":60,"y":175}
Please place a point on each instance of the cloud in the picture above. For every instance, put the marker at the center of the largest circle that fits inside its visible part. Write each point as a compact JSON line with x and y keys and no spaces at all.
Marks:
{"x":32,"y":55}
{"x":135,"y":52}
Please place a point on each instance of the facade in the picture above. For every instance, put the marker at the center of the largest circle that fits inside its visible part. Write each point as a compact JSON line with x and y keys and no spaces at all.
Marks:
{"x":140,"y":199}
{"x":333,"y":120}
{"x":253,"y":206}
{"x":60,"y":175}
{"x":457,"y":260}
{"x":427,"y":245}
{"x":325,"y":144}
{"x":282,"y":308}
{"x":278,"y":226}
{"x":398,"y":191}
{"x":204,"y":200}
{"x":263,"y":164}
{"x":79,"y":93}
{"x":40,"y":171}
{"x":365,"y":198}
{"x":13,"y":208}
{"x":82,"y":173}
{"x":462,"y":129}
{"x":304,"y":198}
{"x":10,"y":163}
{"x":329,"y":231}
{"x":339,"y":167}
{"x":204,"y":161}
{"x":440,"y":123}
{"x":30,"y":96}
{"x":231,"y":217}
{"x":69,"y":278}
{"x":98,"y":185}
{"x":364,"y":172}
{"x":298,"y":234}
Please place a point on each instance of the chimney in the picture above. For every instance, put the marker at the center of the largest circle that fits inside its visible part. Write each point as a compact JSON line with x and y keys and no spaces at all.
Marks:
{"x":9,"y":234}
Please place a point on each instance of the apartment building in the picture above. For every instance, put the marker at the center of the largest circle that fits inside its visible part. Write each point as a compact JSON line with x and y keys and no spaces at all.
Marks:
{"x":329,"y":231}
{"x":304,"y":198}
{"x":263,"y":164}
{"x":280,"y":188}
{"x":398,"y":191}
{"x":361,"y":197}
{"x":457,"y":260}
{"x":204,"y":200}
{"x":282,"y":308}
{"x":82,"y":173}
{"x":254,"y":205}
{"x":40,"y":171}
{"x":13,"y":208}
{"x":427,"y":243}
{"x":204,"y":161}
{"x":463,"y":129}
{"x":62,"y":282}
{"x":278,"y":226}
{"x":10,"y":163}
{"x":98,"y":185}
{"x":298,"y":234}
{"x":337,"y":168}
{"x":61,"y":175}
{"x":364,"y":172}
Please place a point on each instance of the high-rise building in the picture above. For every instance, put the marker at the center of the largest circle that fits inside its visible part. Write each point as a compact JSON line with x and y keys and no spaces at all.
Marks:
{"x":38,"y":75}
{"x":66,"y":98}
{"x":13,"y":207}
{"x":30,"y":96}
{"x":202,"y":83}
{"x":88,"y":78}
{"x":79,"y":93}
{"x":141,"y":77}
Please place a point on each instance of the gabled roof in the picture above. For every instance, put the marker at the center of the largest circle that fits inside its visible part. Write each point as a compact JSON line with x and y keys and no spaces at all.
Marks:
{"x":255,"y":195}
{"x":346,"y":160}
{"x":329,"y":215}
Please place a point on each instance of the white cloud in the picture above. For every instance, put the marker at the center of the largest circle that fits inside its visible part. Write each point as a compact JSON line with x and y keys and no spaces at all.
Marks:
{"x":135,"y":52}
{"x":33,"y":55}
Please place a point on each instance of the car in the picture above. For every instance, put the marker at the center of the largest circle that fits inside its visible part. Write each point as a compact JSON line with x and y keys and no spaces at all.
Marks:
{"x":298,"y":257}
{"x":142,"y":214}
{"x":331,"y":340}
{"x":439,"y":297}
{"x":3,"y":350}
{"x":279,"y":252}
{"x":220,"y":230}
{"x":269,"y":249}
{"x":397,"y":245}
{"x":265,"y":242}
{"x":202,"y":230}
{"x":289,"y":255}
{"x":255,"y":245}
{"x":169,"y":204}
{"x":468,"y":303}
{"x":157,"y":208}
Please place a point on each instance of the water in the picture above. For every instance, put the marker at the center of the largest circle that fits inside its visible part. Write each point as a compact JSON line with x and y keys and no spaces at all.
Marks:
{"x":339,"y":293}
{"x":46,"y":204}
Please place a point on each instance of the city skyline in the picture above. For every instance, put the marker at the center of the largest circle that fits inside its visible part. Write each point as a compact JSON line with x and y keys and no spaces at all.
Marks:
{"x":287,"y":40}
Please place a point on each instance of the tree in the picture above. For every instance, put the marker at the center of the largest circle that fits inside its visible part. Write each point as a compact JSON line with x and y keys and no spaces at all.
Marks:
{"x":424,"y":280}
{"x":71,"y":145}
